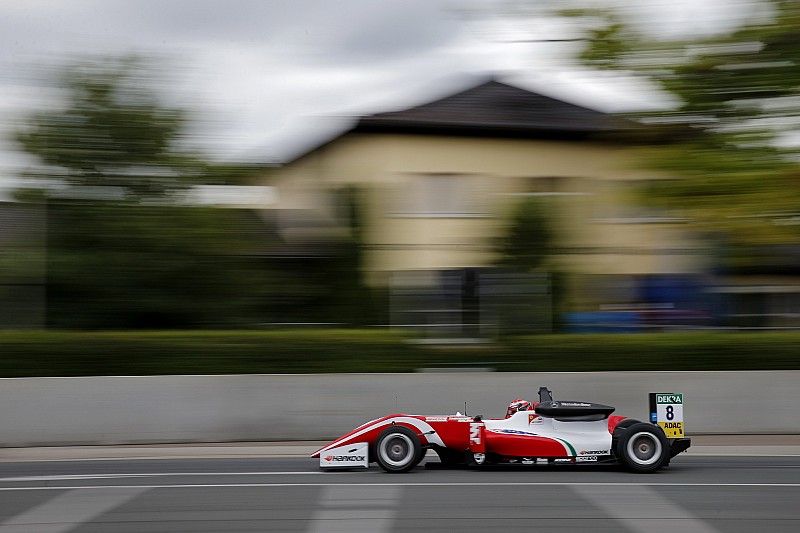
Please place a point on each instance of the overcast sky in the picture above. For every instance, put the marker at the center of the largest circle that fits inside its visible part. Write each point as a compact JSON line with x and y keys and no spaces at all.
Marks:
{"x":267,"y":77}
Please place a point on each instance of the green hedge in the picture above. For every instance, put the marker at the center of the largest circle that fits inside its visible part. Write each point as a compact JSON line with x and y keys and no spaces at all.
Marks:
{"x":67,"y":353}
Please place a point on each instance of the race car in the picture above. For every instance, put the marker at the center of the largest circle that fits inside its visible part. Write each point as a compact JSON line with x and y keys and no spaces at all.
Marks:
{"x":545,"y":432}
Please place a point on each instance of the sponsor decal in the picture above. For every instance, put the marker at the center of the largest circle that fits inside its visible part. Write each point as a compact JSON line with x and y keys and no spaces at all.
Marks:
{"x":344,"y":458}
{"x":672,"y":430}
{"x":594,"y":452}
{"x":354,"y":455}
{"x":669,"y":398}
{"x":586,"y":459}
{"x":533,"y":418}
{"x":435,"y":419}
{"x":513,"y":432}
{"x":573,"y":404}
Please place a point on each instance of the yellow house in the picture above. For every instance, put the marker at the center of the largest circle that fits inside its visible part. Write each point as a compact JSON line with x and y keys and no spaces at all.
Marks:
{"x":439,"y":181}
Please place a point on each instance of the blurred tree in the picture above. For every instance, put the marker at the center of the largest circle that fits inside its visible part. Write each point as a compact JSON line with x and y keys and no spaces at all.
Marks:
{"x":111,"y":131}
{"x":526,"y":304}
{"x":734,"y":148}
{"x":118,"y":265}
{"x":732,"y":140}
{"x":351,"y":293}
{"x":124,"y":251}
{"x":527,"y":242}
{"x":120,"y":253}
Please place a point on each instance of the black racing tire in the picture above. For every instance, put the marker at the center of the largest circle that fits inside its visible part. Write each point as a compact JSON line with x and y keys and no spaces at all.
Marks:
{"x":628,"y":422}
{"x":398,"y":449}
{"x":618,"y":431}
{"x":642,"y":448}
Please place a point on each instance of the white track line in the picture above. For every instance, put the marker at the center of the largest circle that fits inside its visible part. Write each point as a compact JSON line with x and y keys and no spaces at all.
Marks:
{"x":433,"y":484}
{"x":68,"y":477}
{"x":114,"y":475}
{"x":29,"y":459}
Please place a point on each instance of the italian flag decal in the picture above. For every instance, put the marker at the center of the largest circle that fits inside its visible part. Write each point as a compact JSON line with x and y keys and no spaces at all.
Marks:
{"x":567,"y":446}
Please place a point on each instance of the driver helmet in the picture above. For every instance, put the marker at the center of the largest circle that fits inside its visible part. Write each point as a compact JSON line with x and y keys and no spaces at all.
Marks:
{"x":518,"y":405}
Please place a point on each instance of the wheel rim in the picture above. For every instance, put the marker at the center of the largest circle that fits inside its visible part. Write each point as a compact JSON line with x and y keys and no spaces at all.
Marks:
{"x":397,"y":450}
{"x":644,"y":448}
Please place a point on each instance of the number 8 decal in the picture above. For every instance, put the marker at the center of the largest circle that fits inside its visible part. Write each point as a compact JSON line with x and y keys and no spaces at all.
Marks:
{"x":670,"y":412}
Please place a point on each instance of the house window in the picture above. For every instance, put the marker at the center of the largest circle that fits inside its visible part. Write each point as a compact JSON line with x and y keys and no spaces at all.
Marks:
{"x":547,"y":185}
{"x":552,"y":186}
{"x":440,"y":195}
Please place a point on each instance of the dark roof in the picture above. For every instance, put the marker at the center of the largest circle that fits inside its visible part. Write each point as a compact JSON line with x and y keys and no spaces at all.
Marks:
{"x":497,"y":109}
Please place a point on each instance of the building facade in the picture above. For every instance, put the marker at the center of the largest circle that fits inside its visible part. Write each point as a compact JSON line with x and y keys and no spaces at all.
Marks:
{"x":440,"y":180}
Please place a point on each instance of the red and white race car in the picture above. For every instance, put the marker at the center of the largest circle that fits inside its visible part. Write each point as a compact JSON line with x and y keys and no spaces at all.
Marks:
{"x":532,"y":433}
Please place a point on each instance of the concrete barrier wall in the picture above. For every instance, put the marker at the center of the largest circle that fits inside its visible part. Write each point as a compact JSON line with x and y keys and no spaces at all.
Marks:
{"x":107,"y":410}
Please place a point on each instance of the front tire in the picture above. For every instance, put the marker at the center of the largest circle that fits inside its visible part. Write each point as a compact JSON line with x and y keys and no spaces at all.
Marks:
{"x":643,"y":448}
{"x":398,"y":450}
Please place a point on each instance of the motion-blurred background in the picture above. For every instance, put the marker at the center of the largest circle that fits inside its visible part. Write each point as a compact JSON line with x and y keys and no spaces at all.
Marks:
{"x":351,"y":176}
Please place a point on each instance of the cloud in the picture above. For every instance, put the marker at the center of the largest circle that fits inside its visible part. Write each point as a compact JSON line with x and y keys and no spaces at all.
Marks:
{"x":255,"y":71}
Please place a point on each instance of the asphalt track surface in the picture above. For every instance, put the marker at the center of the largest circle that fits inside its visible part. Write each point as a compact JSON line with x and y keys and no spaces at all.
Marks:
{"x":702,"y":494}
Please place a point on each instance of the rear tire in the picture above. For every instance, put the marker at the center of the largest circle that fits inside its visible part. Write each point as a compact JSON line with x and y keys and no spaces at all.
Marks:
{"x":643,"y":447}
{"x":628,"y":422}
{"x":398,"y":450}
